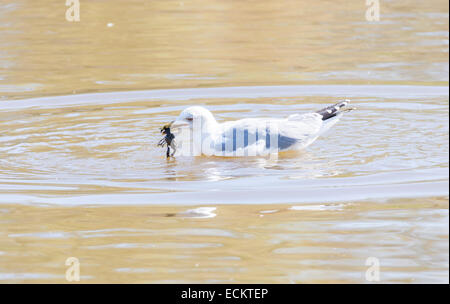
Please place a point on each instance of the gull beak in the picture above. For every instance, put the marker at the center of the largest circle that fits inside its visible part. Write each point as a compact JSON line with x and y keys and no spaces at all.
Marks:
{"x":178,"y":124}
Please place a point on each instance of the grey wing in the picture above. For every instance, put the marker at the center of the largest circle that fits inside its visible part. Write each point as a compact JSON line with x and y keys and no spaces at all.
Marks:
{"x":285,"y":142}
{"x":299,"y":130}
{"x":275,"y":134}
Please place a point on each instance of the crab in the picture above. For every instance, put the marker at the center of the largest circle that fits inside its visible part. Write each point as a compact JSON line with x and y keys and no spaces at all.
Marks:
{"x":168,"y":140}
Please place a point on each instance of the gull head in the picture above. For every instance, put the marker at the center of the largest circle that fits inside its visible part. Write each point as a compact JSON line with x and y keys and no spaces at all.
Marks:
{"x":195,"y":114}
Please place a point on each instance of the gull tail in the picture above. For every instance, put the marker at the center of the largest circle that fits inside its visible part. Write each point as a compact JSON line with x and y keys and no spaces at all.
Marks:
{"x":334,"y":110}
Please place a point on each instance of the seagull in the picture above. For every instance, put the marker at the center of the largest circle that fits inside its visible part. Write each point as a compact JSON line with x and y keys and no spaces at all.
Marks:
{"x":203,"y":135}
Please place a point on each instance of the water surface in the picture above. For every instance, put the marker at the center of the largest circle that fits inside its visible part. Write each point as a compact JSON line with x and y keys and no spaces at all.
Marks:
{"x":81,"y":105}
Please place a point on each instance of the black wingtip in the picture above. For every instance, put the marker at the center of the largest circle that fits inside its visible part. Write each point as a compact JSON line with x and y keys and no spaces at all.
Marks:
{"x":332,"y":111}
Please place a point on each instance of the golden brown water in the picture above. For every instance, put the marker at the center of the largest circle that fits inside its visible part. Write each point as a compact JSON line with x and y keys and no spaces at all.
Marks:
{"x":81,"y":176}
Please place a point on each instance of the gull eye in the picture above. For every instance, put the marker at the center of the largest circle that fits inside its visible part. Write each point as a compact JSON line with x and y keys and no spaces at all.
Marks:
{"x":189,"y":119}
